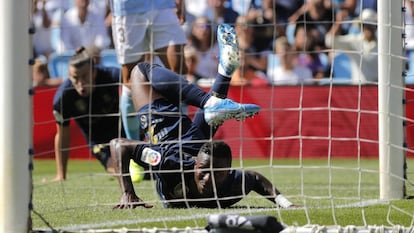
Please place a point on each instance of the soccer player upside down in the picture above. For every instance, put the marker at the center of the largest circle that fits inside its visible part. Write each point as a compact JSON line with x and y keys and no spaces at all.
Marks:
{"x":190,"y":170}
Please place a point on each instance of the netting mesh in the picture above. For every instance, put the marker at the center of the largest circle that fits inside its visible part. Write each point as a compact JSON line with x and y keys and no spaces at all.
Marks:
{"x":315,"y":139}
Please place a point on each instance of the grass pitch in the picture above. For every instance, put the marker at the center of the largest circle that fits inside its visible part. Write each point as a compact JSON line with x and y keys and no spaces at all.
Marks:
{"x":336,"y":192}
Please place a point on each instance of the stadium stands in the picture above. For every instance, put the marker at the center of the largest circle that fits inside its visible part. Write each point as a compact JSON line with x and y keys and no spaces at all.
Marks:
{"x":58,"y":63}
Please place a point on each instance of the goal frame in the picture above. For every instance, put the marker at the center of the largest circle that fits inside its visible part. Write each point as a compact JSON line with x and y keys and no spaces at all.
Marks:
{"x":15,"y":125}
{"x":390,"y":100}
{"x":15,"y":102}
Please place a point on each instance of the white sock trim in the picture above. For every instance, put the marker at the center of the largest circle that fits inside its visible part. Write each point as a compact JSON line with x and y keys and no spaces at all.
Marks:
{"x":222,"y":71}
{"x":283,"y":201}
{"x":212,"y":101}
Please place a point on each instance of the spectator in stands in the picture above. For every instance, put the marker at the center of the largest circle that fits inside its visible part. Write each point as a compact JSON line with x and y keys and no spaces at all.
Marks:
{"x":100,"y":6}
{"x":288,"y":72}
{"x":317,"y":17}
{"x":308,"y":55}
{"x":281,"y":11}
{"x":103,"y":7}
{"x":348,"y":9}
{"x":312,"y":22}
{"x":41,"y":77}
{"x":253,"y":63}
{"x":242,"y":7}
{"x":193,"y":9}
{"x":366,"y":4}
{"x":91,"y":97}
{"x":350,"y":6}
{"x":185,"y":181}
{"x":191,"y":61}
{"x":263,"y":22}
{"x":409,"y":26}
{"x":355,"y":27}
{"x":54,"y":6}
{"x":364,"y":62}
{"x":202,"y":38}
{"x":82,"y":26}
{"x":58,"y":9}
{"x":42,"y":22}
{"x":217,"y":12}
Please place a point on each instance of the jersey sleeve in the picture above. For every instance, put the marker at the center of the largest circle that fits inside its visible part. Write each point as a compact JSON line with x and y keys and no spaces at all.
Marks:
{"x":61,"y":113}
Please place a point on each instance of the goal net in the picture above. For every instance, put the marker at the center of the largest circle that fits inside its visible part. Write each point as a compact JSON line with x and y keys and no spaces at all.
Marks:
{"x":339,"y":146}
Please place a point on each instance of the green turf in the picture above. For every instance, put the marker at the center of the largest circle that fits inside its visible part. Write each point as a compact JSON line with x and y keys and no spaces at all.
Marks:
{"x":85,"y":200}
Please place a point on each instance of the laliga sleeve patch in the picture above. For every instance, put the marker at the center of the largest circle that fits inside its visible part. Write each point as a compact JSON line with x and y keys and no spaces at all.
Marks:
{"x":150,"y":156}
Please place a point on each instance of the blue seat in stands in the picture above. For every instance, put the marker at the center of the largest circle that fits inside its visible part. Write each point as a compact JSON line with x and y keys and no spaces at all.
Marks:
{"x":409,"y":77}
{"x":341,"y":71}
{"x":108,"y":58}
{"x":341,"y":66}
{"x":58,"y":64}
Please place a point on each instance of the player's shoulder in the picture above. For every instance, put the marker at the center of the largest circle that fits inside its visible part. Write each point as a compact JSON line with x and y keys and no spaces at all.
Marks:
{"x":108,"y":74}
{"x":64,"y":87}
{"x":237,"y":174}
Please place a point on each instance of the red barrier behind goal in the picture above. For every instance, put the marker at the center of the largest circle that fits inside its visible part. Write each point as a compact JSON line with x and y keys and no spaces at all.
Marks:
{"x":313,"y":121}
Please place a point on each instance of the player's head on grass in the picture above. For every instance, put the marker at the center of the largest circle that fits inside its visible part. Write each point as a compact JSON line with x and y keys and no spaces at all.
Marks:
{"x":212,"y":166}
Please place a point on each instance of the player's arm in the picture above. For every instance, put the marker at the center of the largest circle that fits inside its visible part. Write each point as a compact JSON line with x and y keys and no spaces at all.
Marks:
{"x":264,"y":187}
{"x":122,"y":151}
{"x":62,"y":143}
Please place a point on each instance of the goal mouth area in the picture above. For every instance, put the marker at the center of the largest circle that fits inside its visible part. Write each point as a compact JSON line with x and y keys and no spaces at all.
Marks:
{"x":287,"y":229}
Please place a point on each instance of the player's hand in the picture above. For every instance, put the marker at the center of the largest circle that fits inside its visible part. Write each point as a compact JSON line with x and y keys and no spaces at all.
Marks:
{"x":131,"y":201}
{"x":56,"y":179}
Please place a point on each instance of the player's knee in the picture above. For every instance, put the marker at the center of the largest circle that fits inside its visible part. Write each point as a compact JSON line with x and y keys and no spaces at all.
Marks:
{"x":114,"y":142}
{"x":120,"y":148}
{"x":115,"y":146}
{"x":137,"y":76}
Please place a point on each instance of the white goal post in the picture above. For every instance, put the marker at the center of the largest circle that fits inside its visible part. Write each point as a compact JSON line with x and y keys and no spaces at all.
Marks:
{"x":390,"y":99}
{"x":15,"y":125}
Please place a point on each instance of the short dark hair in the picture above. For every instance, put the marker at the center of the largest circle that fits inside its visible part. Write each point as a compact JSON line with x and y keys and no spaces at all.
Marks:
{"x":218,"y":151}
{"x":81,"y":58}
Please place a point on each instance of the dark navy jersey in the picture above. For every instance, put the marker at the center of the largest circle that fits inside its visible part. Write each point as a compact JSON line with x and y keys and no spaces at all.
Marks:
{"x":237,"y":185}
{"x":178,"y":140}
{"x":166,"y":127}
{"x":98,"y":114}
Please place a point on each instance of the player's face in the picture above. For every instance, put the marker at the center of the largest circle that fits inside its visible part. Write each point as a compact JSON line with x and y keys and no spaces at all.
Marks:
{"x":82,"y":79}
{"x":206,"y":177}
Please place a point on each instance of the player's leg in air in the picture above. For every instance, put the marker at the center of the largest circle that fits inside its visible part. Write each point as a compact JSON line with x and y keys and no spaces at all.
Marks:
{"x":221,"y":108}
{"x":217,"y":108}
{"x":151,"y":82}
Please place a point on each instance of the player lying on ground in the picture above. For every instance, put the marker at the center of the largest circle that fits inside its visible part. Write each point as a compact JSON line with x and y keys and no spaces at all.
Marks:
{"x":184,"y":180}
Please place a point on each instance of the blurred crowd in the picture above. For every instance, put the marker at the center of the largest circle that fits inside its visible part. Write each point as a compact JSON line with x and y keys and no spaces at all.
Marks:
{"x":282,"y":42}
